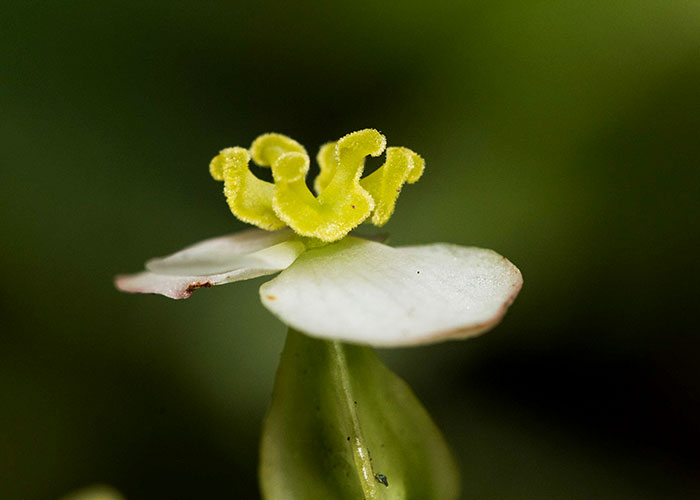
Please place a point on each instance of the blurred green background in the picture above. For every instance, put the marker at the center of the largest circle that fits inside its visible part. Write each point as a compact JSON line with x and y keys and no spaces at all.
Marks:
{"x":565,"y":135}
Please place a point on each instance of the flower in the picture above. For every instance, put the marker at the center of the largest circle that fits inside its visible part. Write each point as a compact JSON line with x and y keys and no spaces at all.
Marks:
{"x":333,"y":285}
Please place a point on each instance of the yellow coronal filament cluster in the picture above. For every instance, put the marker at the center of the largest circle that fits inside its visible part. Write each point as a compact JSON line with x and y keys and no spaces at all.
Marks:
{"x":344,"y":199}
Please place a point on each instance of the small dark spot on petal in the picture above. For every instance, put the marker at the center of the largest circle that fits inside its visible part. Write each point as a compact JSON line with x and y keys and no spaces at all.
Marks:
{"x":353,"y":206}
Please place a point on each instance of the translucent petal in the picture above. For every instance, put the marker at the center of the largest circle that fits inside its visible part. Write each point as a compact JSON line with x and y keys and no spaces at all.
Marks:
{"x":217,"y":255}
{"x":365,"y":292}
{"x":240,"y":256}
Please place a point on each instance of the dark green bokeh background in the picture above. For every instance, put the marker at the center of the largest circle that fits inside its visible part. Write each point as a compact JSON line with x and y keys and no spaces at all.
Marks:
{"x":565,"y":135}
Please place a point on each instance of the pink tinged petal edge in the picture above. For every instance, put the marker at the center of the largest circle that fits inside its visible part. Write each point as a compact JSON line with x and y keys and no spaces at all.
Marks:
{"x":244,"y":255}
{"x":181,"y":287}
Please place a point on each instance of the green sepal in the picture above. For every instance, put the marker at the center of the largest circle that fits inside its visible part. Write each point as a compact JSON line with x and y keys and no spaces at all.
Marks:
{"x":342,"y":426}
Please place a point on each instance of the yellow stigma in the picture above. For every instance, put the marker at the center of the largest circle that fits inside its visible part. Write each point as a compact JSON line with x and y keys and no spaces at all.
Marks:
{"x":344,"y":200}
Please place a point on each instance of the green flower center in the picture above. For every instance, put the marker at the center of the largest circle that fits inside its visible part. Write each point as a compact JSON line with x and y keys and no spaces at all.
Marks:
{"x":344,"y":198}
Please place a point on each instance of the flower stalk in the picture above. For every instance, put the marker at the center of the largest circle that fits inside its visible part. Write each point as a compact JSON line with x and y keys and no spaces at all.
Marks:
{"x":360,"y":452}
{"x":341,"y":425}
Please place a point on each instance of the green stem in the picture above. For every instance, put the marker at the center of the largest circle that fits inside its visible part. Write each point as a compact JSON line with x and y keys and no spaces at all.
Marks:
{"x":360,"y":451}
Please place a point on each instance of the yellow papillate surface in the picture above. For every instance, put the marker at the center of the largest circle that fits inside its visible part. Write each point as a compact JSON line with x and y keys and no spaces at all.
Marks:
{"x":344,"y":200}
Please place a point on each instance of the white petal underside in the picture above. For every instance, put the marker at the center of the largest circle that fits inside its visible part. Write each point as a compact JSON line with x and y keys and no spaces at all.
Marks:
{"x":364,"y":292}
{"x":244,"y":255}
{"x":218,"y":255}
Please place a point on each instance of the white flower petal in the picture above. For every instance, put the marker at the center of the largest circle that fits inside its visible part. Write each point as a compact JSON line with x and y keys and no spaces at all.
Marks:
{"x":240,"y":256}
{"x":217,"y":255}
{"x":365,"y":292}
